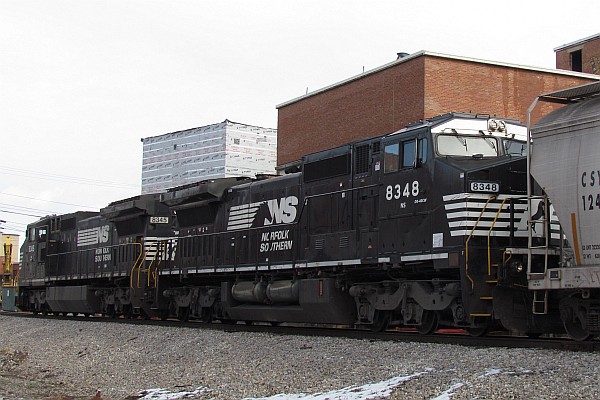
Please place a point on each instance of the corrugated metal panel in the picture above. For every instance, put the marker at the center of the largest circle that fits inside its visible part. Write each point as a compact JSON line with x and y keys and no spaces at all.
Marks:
{"x":573,"y":94}
{"x":569,"y":120}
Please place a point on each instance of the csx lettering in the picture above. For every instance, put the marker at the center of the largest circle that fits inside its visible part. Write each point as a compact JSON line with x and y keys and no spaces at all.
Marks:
{"x":590,"y":179}
{"x":282,"y":211}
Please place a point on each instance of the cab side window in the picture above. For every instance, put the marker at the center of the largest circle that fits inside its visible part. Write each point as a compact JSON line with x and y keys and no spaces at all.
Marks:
{"x":408,"y":153}
{"x":391,"y":158}
{"x":422,"y":150}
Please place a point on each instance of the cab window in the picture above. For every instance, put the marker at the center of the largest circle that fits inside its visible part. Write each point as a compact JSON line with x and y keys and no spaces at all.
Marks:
{"x":391,"y":158}
{"x":422,"y":150}
{"x":408,"y":153}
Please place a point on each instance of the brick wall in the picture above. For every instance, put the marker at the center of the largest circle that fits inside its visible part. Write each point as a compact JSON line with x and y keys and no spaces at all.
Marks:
{"x":590,"y":56}
{"x":464,"y":86}
{"x":421,"y":87}
{"x":371,"y":106}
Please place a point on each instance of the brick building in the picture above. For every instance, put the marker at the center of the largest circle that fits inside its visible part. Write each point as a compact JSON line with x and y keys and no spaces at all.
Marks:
{"x":413,"y":87}
{"x":582,"y":55}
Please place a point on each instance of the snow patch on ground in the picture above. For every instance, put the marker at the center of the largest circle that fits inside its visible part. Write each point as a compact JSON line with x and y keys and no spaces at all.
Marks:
{"x":369,"y":391}
{"x":490,"y":372}
{"x":162,"y":394}
{"x":377,"y":390}
{"x":448,"y":393}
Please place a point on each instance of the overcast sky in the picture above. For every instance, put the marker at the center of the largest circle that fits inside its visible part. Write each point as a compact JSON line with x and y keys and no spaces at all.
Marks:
{"x":81,"y":82}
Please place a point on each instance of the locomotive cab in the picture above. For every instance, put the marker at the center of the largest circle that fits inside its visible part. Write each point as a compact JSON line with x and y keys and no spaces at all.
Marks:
{"x":48,"y":255}
{"x":145,"y":246}
{"x":451,"y":222}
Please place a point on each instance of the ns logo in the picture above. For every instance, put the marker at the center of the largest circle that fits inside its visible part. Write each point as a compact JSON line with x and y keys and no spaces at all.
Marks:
{"x":281,"y":211}
{"x":103,"y":232}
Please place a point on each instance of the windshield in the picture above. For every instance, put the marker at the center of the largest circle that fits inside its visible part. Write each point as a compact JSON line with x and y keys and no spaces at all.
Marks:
{"x":467,"y":145}
{"x":515,"y":147}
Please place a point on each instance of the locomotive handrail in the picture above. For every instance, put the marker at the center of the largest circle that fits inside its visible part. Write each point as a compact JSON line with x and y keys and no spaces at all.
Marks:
{"x":78,"y":252}
{"x":489,"y":252}
{"x":161,"y":246}
{"x":153,"y":245}
{"x":545,"y":219}
{"x":135,"y":265}
{"x":469,"y":238}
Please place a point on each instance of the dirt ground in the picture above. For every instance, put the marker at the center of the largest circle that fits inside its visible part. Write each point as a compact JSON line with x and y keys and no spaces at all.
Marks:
{"x":17,"y":382}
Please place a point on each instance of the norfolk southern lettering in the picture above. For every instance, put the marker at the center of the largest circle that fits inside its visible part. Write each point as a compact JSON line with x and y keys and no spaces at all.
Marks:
{"x":276,"y":241}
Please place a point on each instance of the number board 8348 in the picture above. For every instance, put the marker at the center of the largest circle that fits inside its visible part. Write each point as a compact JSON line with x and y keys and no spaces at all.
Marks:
{"x":488,"y":187}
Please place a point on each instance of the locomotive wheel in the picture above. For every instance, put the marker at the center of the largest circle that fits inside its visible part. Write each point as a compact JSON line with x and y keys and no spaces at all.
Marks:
{"x":429,"y":322}
{"x":110,"y":311}
{"x":127,"y":311}
{"x":164,"y":315}
{"x":574,"y":327}
{"x":381,"y":320}
{"x":183,"y":314}
{"x":206,"y":315}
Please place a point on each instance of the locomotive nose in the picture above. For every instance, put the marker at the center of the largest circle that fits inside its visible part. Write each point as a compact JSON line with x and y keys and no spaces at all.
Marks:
{"x":506,"y":177}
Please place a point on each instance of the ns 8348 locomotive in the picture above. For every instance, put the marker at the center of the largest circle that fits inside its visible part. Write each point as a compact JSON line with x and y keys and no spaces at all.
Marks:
{"x":421,"y":228}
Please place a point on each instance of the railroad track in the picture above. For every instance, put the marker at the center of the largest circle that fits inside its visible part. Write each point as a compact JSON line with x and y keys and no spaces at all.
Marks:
{"x":453,"y":336}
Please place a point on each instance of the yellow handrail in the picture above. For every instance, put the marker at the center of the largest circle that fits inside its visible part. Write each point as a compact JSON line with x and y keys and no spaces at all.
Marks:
{"x":489,"y":252}
{"x":469,"y":238}
{"x":135,"y":265}
{"x":148,"y":248}
{"x":159,"y":252}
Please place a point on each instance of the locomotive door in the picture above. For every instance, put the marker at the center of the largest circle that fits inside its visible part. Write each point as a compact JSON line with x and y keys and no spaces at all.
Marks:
{"x":405,"y":222}
{"x":367,"y":222}
{"x":367,"y":168}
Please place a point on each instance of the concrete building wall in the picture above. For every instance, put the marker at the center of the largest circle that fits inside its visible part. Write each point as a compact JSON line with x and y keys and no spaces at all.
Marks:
{"x":210,"y":152}
{"x":250,"y":151}
{"x":420,"y":86}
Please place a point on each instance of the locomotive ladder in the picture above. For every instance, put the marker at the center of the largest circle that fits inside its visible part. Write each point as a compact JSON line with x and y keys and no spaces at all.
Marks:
{"x":487,"y":203}
{"x":484,"y":315}
{"x":490,"y":279}
{"x":540,"y":297}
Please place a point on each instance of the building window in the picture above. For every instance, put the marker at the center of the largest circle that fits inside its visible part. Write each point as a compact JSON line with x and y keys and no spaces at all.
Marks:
{"x":576,"y":61}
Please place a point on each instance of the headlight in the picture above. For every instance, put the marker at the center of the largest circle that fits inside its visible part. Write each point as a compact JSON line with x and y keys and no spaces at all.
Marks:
{"x":517,"y":267}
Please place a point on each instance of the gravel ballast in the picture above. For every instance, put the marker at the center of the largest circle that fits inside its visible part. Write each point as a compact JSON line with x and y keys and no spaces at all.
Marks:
{"x":46,"y":358}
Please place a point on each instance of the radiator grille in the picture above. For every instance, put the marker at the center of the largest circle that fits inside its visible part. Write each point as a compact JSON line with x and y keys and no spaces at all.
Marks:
{"x":319,"y":244}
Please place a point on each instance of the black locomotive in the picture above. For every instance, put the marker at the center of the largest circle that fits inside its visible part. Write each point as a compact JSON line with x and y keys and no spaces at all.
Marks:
{"x":423,"y":227}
